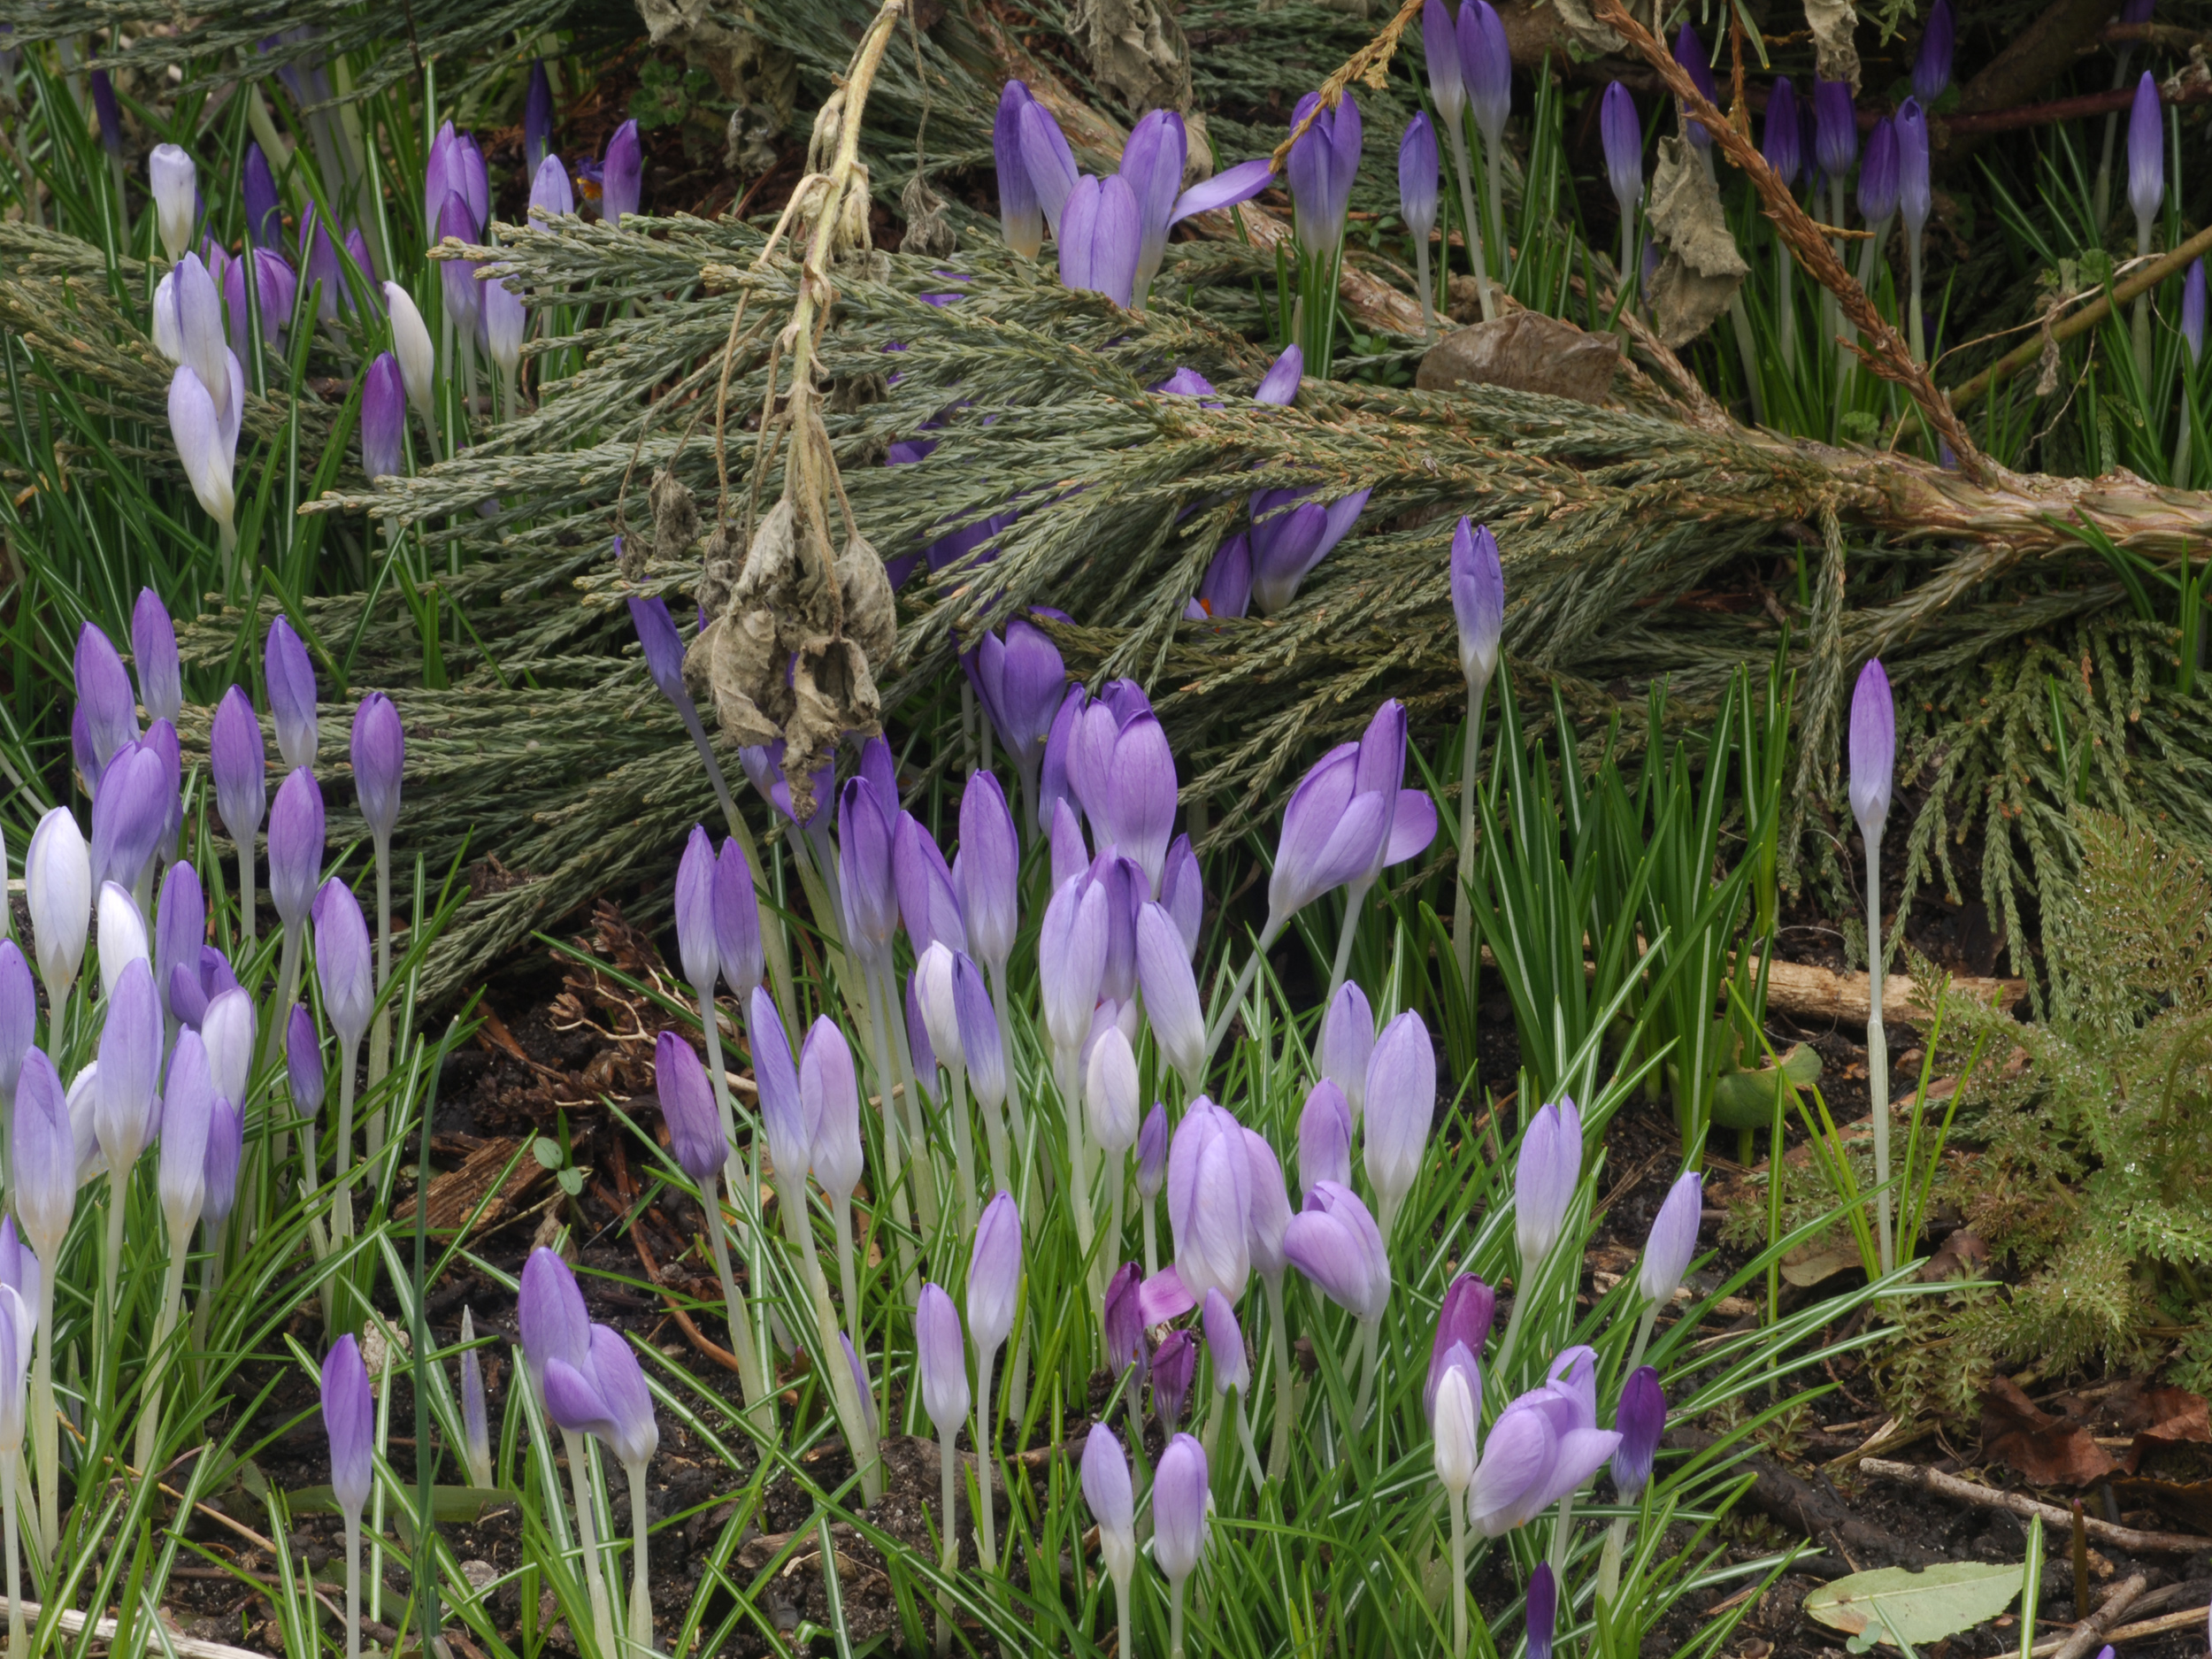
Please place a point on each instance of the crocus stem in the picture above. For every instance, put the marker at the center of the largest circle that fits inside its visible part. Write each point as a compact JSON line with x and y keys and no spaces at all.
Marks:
{"x":1495,"y":177}
{"x":245,"y":902}
{"x":2141,"y":320}
{"x":847,"y":1276}
{"x":1562,"y":1530}
{"x":202,"y":1309}
{"x":1151,"y":1237}
{"x":640,"y":1598}
{"x":892,"y":1173}
{"x":963,"y":1147}
{"x":1244,"y":1438}
{"x":949,"y":1544}
{"x":1016,"y":1113}
{"x":733,"y":1168}
{"x":744,"y":1342}
{"x":1877,"y":1054}
{"x":1279,"y":1341}
{"x":1629,"y":272}
{"x":1228,"y":1011}
{"x":852,"y":1412}
{"x":1175,"y":1618}
{"x":1355,"y":901}
{"x":1919,"y":328}
{"x":986,"y":1458}
{"x":288,"y":987}
{"x":45,"y":1425}
{"x":1609,"y":1584}
{"x":1121,"y":1615}
{"x":353,"y":1583}
{"x":1428,"y":300}
{"x":381,"y":1031}
{"x":1463,"y":907}
{"x":344,"y":1154}
{"x":104,"y":1328}
{"x":172,"y":1299}
{"x":1078,"y":1187}
{"x":921,"y":1166}
{"x":17,"y":1647}
{"x":587,"y":1541}
{"x":1115,"y":1188}
{"x":1370,"y":1362}
{"x":1456,"y":132}
{"x":1457,"y":1503}
{"x":1785,"y":321}
{"x":1747,"y":349}
{"x":1643,"y":1336}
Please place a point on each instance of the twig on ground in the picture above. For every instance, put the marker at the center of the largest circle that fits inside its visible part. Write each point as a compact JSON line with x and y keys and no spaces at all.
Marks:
{"x":2089,"y":1631}
{"x":2125,"y":1538}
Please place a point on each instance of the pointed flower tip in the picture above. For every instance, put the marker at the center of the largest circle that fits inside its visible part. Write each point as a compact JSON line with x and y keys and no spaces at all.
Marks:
{"x":1873,"y":747}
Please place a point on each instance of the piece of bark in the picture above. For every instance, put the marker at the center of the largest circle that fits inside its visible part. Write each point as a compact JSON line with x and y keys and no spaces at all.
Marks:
{"x":1804,"y":992}
{"x":2127,"y":1538}
{"x":1527,"y":352}
{"x":2030,"y":61}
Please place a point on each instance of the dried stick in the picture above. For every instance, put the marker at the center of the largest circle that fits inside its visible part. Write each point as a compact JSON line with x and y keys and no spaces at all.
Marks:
{"x":1891,"y":357}
{"x":1989,"y":1498}
{"x":2089,"y":1631}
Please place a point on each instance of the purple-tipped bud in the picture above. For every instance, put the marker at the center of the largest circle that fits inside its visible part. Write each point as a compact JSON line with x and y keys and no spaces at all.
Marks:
{"x":2147,"y":154}
{"x":1544,"y":1182}
{"x":342,"y":964}
{"x":1124,"y":1319}
{"x":987,"y":873}
{"x":361,"y":279}
{"x":505,"y":322}
{"x":1784,"y":146}
{"x":1478,"y":601}
{"x":380,"y":761}
{"x":1347,"y":1044}
{"x":865,"y":868}
{"x":227,"y":1028}
{"x":829,"y":1103}
{"x":1454,"y":1411}
{"x":1071,"y":959}
{"x":1325,"y":1138}
{"x":475,"y":1416}
{"x":291,"y":678}
{"x":1462,"y":1326}
{"x":782,"y":1101}
{"x":550,"y":1311}
{"x":349,"y":1420}
{"x":303,"y":1061}
{"x":129,"y":814}
{"x":1639,"y":1420}
{"x":1112,"y":1501}
{"x":929,"y":905}
{"x":2192,"y":312}
{"x":737,"y":941}
{"x":1417,"y":177}
{"x":941,"y":1356}
{"x":1931,"y":69}
{"x":154,"y":643}
{"x":1623,"y":137}
{"x":180,"y":930}
{"x":321,"y":263}
{"x":240,"y":764}
{"x":1440,"y":47}
{"x":1543,"y":1611}
{"x":1179,"y":1506}
{"x":1835,"y":129}
{"x":103,"y":692}
{"x":1335,"y":1242}
{"x":1152,"y":1149}
{"x":1401,"y":1103}
{"x":1171,"y":995}
{"x":1322,"y":163}
{"x":632,"y":1434}
{"x":225,"y":1147}
{"x":696,"y":943}
{"x":622,"y":179}
{"x":1224,"y":1343}
{"x":1021,"y":220}
{"x":551,"y":193}
{"x":1152,"y":164}
{"x":295,"y":845}
{"x":1878,"y":174}
{"x":265,"y":217}
{"x":463,"y":294}
{"x":1279,"y":386}
{"x":661,"y":647}
{"x":537,"y":117}
{"x":1672,"y":1243}
{"x":43,"y":1158}
{"x":1873,"y":749}
{"x":1486,"y":64}
{"x":123,"y":1100}
{"x":1174,"y":1364}
{"x":1690,"y":53}
{"x":995,"y":1272}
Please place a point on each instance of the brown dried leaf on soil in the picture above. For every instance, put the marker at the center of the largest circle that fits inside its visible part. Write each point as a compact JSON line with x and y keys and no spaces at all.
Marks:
{"x":2048,"y":1451}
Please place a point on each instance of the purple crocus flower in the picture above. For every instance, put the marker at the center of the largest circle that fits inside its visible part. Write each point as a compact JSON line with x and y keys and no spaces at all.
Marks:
{"x":1072,"y":960}
{"x":1639,"y":1420}
{"x":291,"y":679}
{"x":1289,"y":541}
{"x":1179,"y":1509}
{"x":1171,"y":993}
{"x":986,"y":873}
{"x":103,"y":692}
{"x":1440,"y":50}
{"x":1914,"y":194}
{"x":695,"y":1128}
{"x":736,"y":912}
{"x":1784,"y":146}
{"x":1099,"y":237}
{"x":1623,"y":137}
{"x":1878,"y":175}
{"x":551,"y":195}
{"x":188,"y":1103}
{"x":1322,"y":163}
{"x":1051,"y":163}
{"x":1486,"y":66}
{"x":1224,"y":1343}
{"x":1543,"y":1610}
{"x":1340,"y":820}
{"x":1174,"y":1364}
{"x":1152,"y":163}
{"x":1325,"y":1138}
{"x":463,"y":292}
{"x":941,"y":1355}
{"x":174,"y":183}
{"x":865,"y":869}
{"x":1021,"y":220}
{"x":19,"y":1014}
{"x":1477,"y":583}
{"x":1539,"y":1449}
{"x":782,"y":1099}
{"x":1335,"y":1243}
{"x":274,"y":290}
{"x":994,"y":1268}
{"x":1672,"y":1241}
{"x":1024,"y":682}
{"x":1931,"y":69}
{"x":303,"y":1062}
{"x":537,"y":117}
{"x":362,"y":276}
{"x":1152,"y":1150}
{"x":43,"y":1158}
{"x":929,"y":904}
{"x":1873,"y":746}
{"x":295,"y":845}
{"x":1401,"y":1102}
{"x":123,"y":1096}
{"x":466,"y":173}
{"x":1122,"y":1321}
{"x":1112,"y":1501}
{"x":349,"y":1420}
{"x":129,"y":814}
{"x":1417,"y":177}
{"x":1690,"y":53}
{"x":2147,"y":155}
{"x":1544,"y":1182}
{"x":154,"y":645}
{"x":1835,"y":129}
{"x":180,"y":930}
{"x":219,"y":1170}
{"x":342,"y":964}
{"x":2193,"y":311}
{"x":319,"y":258}
{"x":380,"y":763}
{"x":550,"y":1309}
{"x":1462,"y":1326}
{"x":622,"y":182}
{"x":238,"y":760}
{"x":265,"y":217}
{"x":207,"y":438}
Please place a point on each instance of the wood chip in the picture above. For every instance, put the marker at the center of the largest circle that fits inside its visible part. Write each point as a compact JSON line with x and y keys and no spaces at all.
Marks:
{"x":454,"y":1195}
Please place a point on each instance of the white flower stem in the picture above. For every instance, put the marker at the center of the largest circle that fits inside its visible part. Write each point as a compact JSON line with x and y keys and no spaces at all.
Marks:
{"x":17,"y":1647}
{"x":245,"y":900}
{"x":1877,"y":1054}
{"x":103,"y":1327}
{"x":1121,"y":1614}
{"x":1017,"y":1114}
{"x":1078,"y":1184}
{"x":964,"y":1147}
{"x":344,"y":1152}
{"x":1463,"y":907}
{"x":1369,"y":1334}
{"x":45,"y":1423}
{"x":852,"y":1411}
{"x":891,"y":1174}
{"x":172,"y":1299}
{"x":640,"y":1596}
{"x":353,"y":1586}
{"x":986,"y":1458}
{"x":1428,"y":300}
{"x":1355,"y":901}
{"x":1279,"y":1341}
{"x":1471,"y":222}
{"x":1456,"y":1502}
{"x":948,"y":1540}
{"x":743,"y":1341}
{"x":587,"y":1540}
{"x":1175,"y":1617}
{"x":380,"y":1032}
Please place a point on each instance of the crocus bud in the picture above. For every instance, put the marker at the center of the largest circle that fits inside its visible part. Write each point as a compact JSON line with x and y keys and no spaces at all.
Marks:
{"x":1673,"y":1240}
{"x":918,"y":1039}
{"x":1323,"y":162}
{"x":1051,"y":163}
{"x":1171,"y":999}
{"x":986,"y":870}
{"x":632,"y":1433}
{"x":737,"y":943}
{"x":1486,"y":64}
{"x":662,"y":648}
{"x":1915,"y":197}
{"x":1783,"y":141}
{"x":1478,"y":601}
{"x":19,"y":1014}
{"x":1224,"y":1342}
{"x":207,"y":443}
{"x":1112,"y":1501}
{"x":321,"y":262}
{"x":1873,"y":745}
{"x":1690,"y":53}
{"x":1152,"y":163}
{"x":295,"y":845}
{"x":1544,"y":1182}
{"x":1878,"y":174}
{"x":2147,"y":154}
{"x":43,"y":1158}
{"x":572,"y":1397}
{"x":227,"y":1028}
{"x":291,"y":694}
{"x":1335,"y":1242}
{"x":475,"y":1418}
{"x":941,"y":1356}
{"x":1543,"y":1611}
{"x":1100,"y":238}
{"x":1109,"y":1093}
{"x":1071,"y":959}
{"x":994,"y":1272}
{"x":622,"y":176}
{"x":240,"y":765}
{"x":349,"y":1418}
{"x":188,"y":1102}
{"x":1417,"y":177}
{"x":20,"y":1268}
{"x":1179,"y":1506}
{"x":1325,"y":1138}
{"x":380,"y":760}
{"x":1400,"y":1095}
{"x":57,"y":883}
{"x":103,"y":692}
{"x":695,"y":941}
{"x":264,"y":216}
{"x":782,"y":1103}
{"x":383,"y":419}
{"x":1639,"y":1420}
{"x":226,"y":1147}
{"x":175,"y":185}
{"x":550,"y":1311}
{"x":551,"y":195}
{"x":1462,"y":1326}
{"x":463,"y":294}
{"x":1021,"y":220}
{"x":1152,"y":1149}
{"x":342,"y":966}
{"x":130,"y":1068}
{"x":129,"y":813}
{"x":410,"y":344}
{"x":1124,"y":1319}
{"x":2192,"y":306}
{"x":1175,"y":1362}
{"x":1931,"y":69}
{"x":537,"y":116}
{"x":1453,"y":1430}
{"x":1440,"y":47}
{"x":1624,"y":137}
{"x":303,"y":1061}
{"x":865,"y":869}
{"x":929,"y":905}
{"x":363,"y":276}
{"x":829,"y":1094}
{"x":122,"y":935}
{"x":1835,"y":129}
{"x":154,"y":643}
{"x":1347,"y":1044}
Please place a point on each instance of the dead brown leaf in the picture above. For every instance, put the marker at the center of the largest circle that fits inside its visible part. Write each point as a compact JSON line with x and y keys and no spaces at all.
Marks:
{"x":2048,"y":1451}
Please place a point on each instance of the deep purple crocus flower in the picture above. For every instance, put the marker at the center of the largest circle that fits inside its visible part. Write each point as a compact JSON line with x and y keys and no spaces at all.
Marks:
{"x":1322,"y":163}
{"x":537,"y":117}
{"x":1024,"y":682}
{"x":108,"y":112}
{"x":1543,"y":1611}
{"x":1835,"y":129}
{"x":1878,"y":175}
{"x":264,"y":216}
{"x":1288,"y":542}
{"x":319,"y":260}
{"x":1099,"y":236}
{"x":622,"y":183}
{"x":1478,"y":585}
{"x":1417,"y":177}
{"x":1439,"y":49}
{"x":1152,"y":164}
{"x":1175,"y":1362}
{"x":1639,"y":1420}
{"x":1873,"y":749}
{"x":1486,"y":66}
{"x":295,"y":845}
{"x":738,"y":948}
{"x":380,"y":763}
{"x":1690,"y":53}
{"x":1784,"y":146}
{"x":1915,"y":197}
{"x":344,"y":967}
{"x":694,"y":1128}
{"x":349,"y":1420}
{"x":1153,"y":1141}
{"x":865,"y":870}
{"x":1335,"y":1243}
{"x":154,"y":645}
{"x":303,"y":1062}
{"x":180,"y":930}
{"x":1021,"y":220}
{"x":1931,"y":69}
{"x":1623,"y":137}
{"x":291,"y":679}
{"x":1051,"y":163}
{"x":463,"y":292}
{"x":1462,"y":1326}
{"x":1337,"y":823}
{"x":238,"y":760}
{"x":103,"y":692}
{"x":2147,"y":155}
